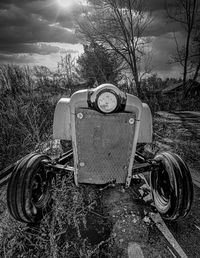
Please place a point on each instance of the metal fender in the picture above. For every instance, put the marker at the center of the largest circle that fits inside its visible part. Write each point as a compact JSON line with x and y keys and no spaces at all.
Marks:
{"x":61,"y":121}
{"x":145,"y":132}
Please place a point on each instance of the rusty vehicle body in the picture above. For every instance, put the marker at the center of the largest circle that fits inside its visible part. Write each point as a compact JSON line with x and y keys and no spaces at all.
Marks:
{"x":105,"y":126}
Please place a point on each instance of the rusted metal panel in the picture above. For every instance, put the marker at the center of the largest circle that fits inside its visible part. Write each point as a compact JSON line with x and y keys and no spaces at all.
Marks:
{"x":104,"y":145}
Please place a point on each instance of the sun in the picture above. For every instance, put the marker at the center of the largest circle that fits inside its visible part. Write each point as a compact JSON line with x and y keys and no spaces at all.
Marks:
{"x":66,"y":3}
{"x":70,"y":3}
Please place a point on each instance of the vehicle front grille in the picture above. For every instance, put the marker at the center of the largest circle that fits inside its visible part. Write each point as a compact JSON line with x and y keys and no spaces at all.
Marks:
{"x":104,"y":144}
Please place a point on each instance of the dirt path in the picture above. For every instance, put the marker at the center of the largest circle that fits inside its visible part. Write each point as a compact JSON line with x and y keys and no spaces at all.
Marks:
{"x":180,"y":132}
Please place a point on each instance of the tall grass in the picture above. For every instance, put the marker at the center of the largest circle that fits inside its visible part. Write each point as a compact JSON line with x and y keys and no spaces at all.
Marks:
{"x":63,"y":232}
{"x":26,"y":115}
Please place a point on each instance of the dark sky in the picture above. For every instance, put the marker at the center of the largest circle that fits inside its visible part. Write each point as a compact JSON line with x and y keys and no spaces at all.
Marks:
{"x":40,"y":31}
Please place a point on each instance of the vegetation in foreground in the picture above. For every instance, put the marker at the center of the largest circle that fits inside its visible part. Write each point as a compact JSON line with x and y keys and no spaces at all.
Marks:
{"x":26,"y":115}
{"x":74,"y":228}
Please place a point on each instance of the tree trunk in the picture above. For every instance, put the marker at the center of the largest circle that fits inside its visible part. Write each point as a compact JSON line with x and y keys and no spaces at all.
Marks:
{"x":186,"y":61}
{"x":196,"y":74}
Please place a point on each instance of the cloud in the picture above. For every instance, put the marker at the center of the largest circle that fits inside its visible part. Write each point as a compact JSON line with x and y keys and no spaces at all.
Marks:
{"x":49,"y":57}
{"x":52,"y":13}
{"x":38,"y":48}
{"x":32,"y":29}
{"x":39,"y":31}
{"x":155,"y":5}
{"x":164,"y":49}
{"x":161,"y":24}
{"x":17,"y":58}
{"x":50,"y":60}
{"x":35,"y":32}
{"x":23,"y":23}
{"x":162,"y":31}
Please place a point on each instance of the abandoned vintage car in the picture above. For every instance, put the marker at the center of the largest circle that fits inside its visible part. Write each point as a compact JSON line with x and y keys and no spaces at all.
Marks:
{"x":104,"y":125}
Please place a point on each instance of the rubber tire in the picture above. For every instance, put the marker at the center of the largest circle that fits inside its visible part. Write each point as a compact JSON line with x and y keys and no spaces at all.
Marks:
{"x":5,"y":173}
{"x":180,"y":193}
{"x":19,"y":191}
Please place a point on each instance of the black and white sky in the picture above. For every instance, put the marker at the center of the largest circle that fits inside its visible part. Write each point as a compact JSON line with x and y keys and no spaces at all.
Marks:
{"x":38,"y":32}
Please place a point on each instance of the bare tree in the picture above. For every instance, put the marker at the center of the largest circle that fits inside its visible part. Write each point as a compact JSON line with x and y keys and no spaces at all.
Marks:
{"x":66,"y":68}
{"x":119,"y":26}
{"x":185,"y":12}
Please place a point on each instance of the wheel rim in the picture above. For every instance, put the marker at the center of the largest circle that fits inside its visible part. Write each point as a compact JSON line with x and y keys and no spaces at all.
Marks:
{"x":163,"y":186}
{"x":40,"y":189}
{"x":172,"y":188}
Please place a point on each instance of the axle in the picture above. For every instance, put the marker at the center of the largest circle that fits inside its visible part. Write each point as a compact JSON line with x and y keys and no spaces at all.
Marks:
{"x":59,"y":165}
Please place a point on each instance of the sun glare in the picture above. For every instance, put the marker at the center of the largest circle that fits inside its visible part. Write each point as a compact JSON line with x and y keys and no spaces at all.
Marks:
{"x":69,"y":3}
{"x":65,"y":3}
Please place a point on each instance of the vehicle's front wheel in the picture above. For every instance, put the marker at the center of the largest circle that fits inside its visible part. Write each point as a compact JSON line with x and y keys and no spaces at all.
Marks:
{"x":29,"y":189}
{"x":172,"y":187}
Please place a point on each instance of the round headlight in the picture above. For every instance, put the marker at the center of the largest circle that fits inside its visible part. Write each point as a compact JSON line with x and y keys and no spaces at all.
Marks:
{"x":107,"y":102}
